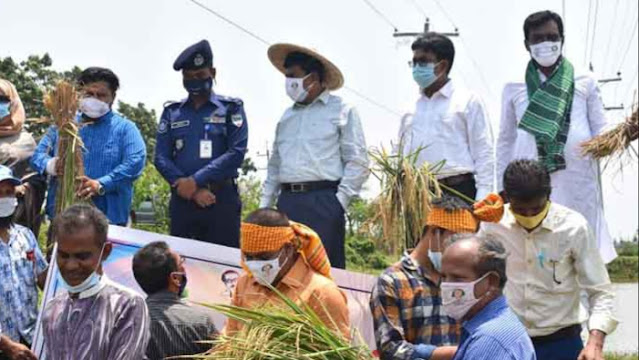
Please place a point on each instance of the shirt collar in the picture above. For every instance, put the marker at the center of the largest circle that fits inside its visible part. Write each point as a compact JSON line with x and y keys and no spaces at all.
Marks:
{"x":213,"y":99}
{"x":411,"y":265}
{"x":323,"y":98}
{"x":488,"y":312}
{"x":445,"y":91}
{"x":106,"y":117}
{"x":164,"y":295}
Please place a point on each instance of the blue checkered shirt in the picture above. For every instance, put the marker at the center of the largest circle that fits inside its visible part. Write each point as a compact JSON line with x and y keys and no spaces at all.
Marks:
{"x":18,"y":290}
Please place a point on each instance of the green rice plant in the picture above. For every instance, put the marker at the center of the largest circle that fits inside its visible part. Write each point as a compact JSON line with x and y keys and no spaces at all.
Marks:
{"x":405,"y":198}
{"x":285,"y":332}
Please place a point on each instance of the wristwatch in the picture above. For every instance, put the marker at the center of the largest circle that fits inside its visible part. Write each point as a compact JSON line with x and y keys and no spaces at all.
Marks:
{"x":101,"y":190}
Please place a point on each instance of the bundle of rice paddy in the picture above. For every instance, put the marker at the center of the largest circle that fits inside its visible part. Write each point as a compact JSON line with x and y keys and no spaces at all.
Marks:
{"x":405,"y":199}
{"x":289,"y":332}
{"x":62,"y":104}
{"x":615,"y":141}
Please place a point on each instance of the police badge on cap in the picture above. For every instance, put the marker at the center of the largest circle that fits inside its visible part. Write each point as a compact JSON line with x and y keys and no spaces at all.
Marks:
{"x":195,"y":57}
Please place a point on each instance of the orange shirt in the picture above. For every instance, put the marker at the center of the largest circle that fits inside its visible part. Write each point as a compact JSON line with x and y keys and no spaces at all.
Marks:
{"x":302,"y":285}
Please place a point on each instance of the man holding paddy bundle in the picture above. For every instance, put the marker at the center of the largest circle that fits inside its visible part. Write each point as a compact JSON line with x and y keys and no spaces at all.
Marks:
{"x":406,"y":302}
{"x":450,"y":123}
{"x":548,"y":116}
{"x":114,"y":152}
{"x":291,"y":258}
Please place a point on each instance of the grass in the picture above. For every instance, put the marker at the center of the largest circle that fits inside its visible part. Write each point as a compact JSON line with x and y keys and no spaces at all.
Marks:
{"x":624,"y":269}
{"x":612,"y":356}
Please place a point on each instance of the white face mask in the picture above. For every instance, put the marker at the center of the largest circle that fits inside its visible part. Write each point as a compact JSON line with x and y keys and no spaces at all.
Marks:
{"x":8,"y":206}
{"x":265,"y":271}
{"x":458,"y":297}
{"x":94,"y":108}
{"x":546,"y":53}
{"x":295,"y":89}
{"x":435,"y":257}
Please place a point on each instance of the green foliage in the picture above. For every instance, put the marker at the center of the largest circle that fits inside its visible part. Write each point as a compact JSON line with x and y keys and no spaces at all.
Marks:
{"x":145,"y":119}
{"x":32,"y":78}
{"x":627,"y":248}
{"x":363,"y":240}
{"x":612,"y":356}
{"x":624,"y":269}
{"x":250,"y":191}
{"x":151,"y":186}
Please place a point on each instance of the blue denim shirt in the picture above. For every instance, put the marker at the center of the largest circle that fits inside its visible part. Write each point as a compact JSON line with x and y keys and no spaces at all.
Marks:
{"x":114,"y":154}
{"x":495,"y":333}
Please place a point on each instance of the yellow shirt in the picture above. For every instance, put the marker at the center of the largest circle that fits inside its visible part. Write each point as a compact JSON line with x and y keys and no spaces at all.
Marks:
{"x":547,"y":269}
{"x":302,"y":285}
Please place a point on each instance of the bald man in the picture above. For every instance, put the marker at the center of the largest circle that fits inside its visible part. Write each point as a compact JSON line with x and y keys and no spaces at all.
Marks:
{"x":474,"y":276}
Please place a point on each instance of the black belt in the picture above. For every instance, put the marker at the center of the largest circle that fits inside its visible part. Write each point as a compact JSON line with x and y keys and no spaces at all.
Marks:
{"x":567,"y":332}
{"x":309,"y":186}
{"x":457,"y":179}
{"x":218,"y":185}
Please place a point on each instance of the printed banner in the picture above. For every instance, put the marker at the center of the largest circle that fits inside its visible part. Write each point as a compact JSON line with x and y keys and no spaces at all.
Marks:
{"x":213,"y":271}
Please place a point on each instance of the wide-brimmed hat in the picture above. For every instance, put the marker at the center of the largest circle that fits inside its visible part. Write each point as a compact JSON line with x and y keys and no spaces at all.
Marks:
{"x":333,"y":78}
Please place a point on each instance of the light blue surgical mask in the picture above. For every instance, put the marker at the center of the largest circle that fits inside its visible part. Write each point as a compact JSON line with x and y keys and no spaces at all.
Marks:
{"x":89,"y":283}
{"x":4,"y":109}
{"x":424,"y":75}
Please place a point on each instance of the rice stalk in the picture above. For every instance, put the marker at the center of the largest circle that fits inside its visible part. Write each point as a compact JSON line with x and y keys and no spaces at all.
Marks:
{"x":407,"y":190}
{"x":281,"y":332}
{"x":615,"y":142}
{"x":62,"y":105}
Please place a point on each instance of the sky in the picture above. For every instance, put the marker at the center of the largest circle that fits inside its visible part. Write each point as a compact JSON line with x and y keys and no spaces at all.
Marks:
{"x":139,"y":40}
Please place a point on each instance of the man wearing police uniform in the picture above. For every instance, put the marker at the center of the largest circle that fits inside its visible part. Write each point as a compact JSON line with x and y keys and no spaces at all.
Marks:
{"x":201,"y":143}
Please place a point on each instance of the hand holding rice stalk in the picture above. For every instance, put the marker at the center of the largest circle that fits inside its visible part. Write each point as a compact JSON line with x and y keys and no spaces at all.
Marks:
{"x":615,"y":141}
{"x":287,"y":332}
{"x":62,"y":104}
{"x":406,"y":193}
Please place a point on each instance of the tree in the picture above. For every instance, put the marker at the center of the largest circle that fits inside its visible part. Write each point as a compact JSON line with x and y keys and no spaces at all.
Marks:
{"x":32,"y":78}
{"x":145,"y":119}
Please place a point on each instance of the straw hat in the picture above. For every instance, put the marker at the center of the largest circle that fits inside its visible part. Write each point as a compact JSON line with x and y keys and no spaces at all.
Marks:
{"x":333,"y":78}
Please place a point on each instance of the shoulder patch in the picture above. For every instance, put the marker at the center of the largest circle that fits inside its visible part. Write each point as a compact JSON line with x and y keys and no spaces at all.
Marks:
{"x":237,"y":120}
{"x":163,"y":127}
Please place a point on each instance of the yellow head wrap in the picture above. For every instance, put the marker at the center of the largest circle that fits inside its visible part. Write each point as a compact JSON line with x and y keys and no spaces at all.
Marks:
{"x":257,"y":239}
{"x":491,"y":209}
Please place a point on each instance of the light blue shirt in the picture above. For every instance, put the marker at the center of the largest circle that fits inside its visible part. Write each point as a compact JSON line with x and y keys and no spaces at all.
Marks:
{"x":114,"y":154}
{"x":495,"y":333}
{"x":320,"y":141}
{"x":21,"y":261}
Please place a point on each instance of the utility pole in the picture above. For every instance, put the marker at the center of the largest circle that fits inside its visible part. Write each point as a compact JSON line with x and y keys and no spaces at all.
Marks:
{"x":608,"y":81}
{"x":426,"y":30}
{"x":266,"y":153}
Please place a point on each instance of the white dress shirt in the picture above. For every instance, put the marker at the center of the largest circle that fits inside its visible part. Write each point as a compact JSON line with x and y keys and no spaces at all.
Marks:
{"x":452,"y":125}
{"x":578,"y":186}
{"x":321,"y":141}
{"x":547,"y":300}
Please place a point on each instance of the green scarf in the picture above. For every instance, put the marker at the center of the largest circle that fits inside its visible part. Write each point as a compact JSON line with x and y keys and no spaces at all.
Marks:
{"x":547,"y":117}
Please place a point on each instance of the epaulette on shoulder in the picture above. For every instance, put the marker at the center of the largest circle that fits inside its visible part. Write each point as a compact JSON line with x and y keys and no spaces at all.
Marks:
{"x":170,"y":103}
{"x":231,"y":100}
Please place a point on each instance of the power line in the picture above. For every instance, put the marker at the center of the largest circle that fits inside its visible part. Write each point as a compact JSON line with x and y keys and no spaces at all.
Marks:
{"x":612,"y":28}
{"x":594,"y":31}
{"x":446,"y":14}
{"x":418,"y":7}
{"x":267,"y":43}
{"x":587,"y":32}
{"x":630,"y":42}
{"x":229,"y":21}
{"x":380,"y":14}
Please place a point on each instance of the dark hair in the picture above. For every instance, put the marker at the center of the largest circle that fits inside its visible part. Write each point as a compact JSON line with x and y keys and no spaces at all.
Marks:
{"x":79,"y":217}
{"x":95,"y":74}
{"x":438,"y":44}
{"x":152,"y":266}
{"x":540,"y":18}
{"x":227,"y":273}
{"x":491,"y":256}
{"x":450,"y":203}
{"x":526,"y":180}
{"x":267,"y":217}
{"x":308,"y":63}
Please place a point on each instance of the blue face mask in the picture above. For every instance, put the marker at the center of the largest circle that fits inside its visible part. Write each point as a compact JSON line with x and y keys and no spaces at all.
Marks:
{"x":425,"y":75}
{"x":90,"y":282}
{"x":4,"y":109}
{"x":198,"y":86}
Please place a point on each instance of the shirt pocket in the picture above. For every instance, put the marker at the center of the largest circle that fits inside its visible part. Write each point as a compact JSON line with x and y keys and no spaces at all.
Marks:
{"x":217,"y":133}
{"x":560,"y":268}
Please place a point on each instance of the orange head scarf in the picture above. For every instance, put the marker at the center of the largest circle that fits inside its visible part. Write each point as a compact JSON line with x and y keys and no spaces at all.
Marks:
{"x":257,"y":239}
{"x":491,"y":209}
{"x":13,"y":124}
